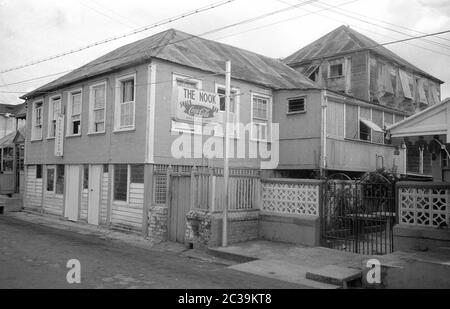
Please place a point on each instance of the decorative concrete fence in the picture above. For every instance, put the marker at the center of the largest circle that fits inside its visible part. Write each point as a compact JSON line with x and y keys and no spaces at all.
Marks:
{"x":290,"y":211}
{"x":424,"y":216}
{"x":276,"y":209}
{"x":424,"y":204}
{"x":291,"y":197}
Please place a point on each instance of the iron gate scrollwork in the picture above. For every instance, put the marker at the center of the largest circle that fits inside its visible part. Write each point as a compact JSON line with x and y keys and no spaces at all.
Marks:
{"x":359,"y":215}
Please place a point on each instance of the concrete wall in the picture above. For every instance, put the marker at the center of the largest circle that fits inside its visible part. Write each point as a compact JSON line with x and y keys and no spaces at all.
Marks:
{"x":302,"y":230}
{"x":420,"y":238}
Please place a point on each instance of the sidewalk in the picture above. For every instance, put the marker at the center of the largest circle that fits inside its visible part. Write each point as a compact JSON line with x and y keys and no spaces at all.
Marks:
{"x":119,"y":236}
{"x":292,"y":262}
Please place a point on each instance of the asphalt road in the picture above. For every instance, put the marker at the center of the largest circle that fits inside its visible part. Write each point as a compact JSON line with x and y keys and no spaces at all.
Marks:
{"x":35,"y":256}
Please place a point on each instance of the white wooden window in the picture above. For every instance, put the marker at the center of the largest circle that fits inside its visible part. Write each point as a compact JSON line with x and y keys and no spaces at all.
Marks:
{"x":297,"y":105}
{"x":53,"y":111}
{"x":51,"y":178}
{"x":124,"y":119}
{"x":235,"y":102}
{"x":74,"y":113}
{"x":261,"y":107}
{"x":97,"y":108}
{"x":336,"y":69}
{"x":36,"y":130}
{"x":187,"y":82}
{"x":124,"y":176}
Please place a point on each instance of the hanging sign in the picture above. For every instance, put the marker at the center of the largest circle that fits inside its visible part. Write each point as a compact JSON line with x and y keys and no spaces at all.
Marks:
{"x":192,"y":104}
{"x":59,"y":136}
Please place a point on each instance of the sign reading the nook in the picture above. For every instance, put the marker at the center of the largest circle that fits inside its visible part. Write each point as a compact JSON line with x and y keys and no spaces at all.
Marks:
{"x":197,"y":104}
{"x":59,"y":136}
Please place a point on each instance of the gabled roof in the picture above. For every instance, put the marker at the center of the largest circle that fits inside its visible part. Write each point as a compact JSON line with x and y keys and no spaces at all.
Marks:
{"x":189,"y":50}
{"x":344,"y":40}
{"x":10,"y":108}
{"x":429,"y":122}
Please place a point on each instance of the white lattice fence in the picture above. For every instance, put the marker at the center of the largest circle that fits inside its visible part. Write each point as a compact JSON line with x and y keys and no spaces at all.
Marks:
{"x":427,"y":205}
{"x":293,"y":197}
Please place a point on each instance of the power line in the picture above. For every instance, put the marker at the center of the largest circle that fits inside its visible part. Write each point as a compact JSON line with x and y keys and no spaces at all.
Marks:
{"x":210,"y":32}
{"x":380,"y":26}
{"x":163,"y":22}
{"x":105,"y":15}
{"x":324,"y":9}
{"x":137,"y":85}
{"x":388,"y":23}
{"x":221,"y":73}
{"x":115,"y":13}
{"x":390,"y":43}
{"x":34,"y":79}
{"x":282,"y":21}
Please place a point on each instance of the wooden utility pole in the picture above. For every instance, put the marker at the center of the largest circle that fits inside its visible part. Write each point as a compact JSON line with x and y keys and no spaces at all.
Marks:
{"x":227,"y":147}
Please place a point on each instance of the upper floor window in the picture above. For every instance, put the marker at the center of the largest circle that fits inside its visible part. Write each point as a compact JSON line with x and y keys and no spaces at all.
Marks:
{"x":97,"y":105}
{"x":74,"y":113}
{"x":125,"y":103}
{"x":336,"y":70}
{"x":36,"y":130}
{"x":54,"y":110}
{"x":296,"y":105}
{"x":260,"y":117}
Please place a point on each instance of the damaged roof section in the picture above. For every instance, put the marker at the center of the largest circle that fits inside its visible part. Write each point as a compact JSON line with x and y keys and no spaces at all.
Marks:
{"x":189,"y":50}
{"x":344,"y":40}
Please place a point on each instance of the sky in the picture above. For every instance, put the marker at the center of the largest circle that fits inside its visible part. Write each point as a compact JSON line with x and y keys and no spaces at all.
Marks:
{"x":32,"y":30}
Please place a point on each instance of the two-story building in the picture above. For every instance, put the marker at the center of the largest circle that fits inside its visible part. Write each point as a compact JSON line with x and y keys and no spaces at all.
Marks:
{"x":369,"y":88}
{"x":100,"y":139}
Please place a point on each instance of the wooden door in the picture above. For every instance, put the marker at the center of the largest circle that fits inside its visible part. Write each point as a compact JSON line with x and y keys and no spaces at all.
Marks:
{"x":179,"y":206}
{"x":72,"y":196}
{"x":95,"y":174}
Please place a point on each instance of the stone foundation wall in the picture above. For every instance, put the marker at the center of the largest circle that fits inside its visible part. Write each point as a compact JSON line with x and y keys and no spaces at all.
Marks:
{"x":158,"y":224}
{"x":205,"y":229}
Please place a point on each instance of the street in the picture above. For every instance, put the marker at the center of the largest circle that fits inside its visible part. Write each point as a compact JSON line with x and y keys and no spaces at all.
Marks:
{"x":35,"y":256}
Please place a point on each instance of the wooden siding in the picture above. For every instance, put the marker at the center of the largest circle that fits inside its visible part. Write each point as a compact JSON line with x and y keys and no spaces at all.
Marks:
{"x":84,"y":204}
{"x":335,"y":119}
{"x":33,"y":197}
{"x":129,"y":215}
{"x":104,"y":199}
{"x":53,"y":204}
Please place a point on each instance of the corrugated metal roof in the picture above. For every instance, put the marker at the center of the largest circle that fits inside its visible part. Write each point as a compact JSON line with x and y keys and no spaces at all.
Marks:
{"x":193,"y":51}
{"x":343,"y":40}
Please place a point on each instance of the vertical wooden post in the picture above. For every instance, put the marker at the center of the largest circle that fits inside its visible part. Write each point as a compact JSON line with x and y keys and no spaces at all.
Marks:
{"x":193,"y":193}
{"x":44,"y":185}
{"x":110,"y":193}
{"x":227,"y":147}
{"x":168,"y":199}
{"x":148,"y":196}
{"x":212,"y":191}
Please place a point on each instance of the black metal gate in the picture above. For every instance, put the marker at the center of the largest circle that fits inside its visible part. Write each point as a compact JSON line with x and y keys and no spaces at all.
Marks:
{"x":359,"y":215}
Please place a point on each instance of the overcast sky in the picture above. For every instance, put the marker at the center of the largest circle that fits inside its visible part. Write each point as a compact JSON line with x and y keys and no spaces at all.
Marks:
{"x":34,"y":29}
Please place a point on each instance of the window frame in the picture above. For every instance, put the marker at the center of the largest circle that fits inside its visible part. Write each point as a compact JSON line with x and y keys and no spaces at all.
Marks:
{"x":51,"y":114}
{"x":92,"y":108}
{"x":70,"y":112}
{"x":304,"y":97}
{"x":114,"y":185}
{"x":269,"y":99}
{"x":33,"y":120}
{"x":175,"y":125}
{"x":334,"y":63}
{"x":236,"y":113}
{"x":118,"y":103}
{"x":50,"y":167}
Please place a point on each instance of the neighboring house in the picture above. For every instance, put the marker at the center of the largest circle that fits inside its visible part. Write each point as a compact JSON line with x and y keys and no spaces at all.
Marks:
{"x":9,"y":119}
{"x":120,"y":125}
{"x":12,"y":140}
{"x":370,"y":88}
{"x":430,"y":130}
